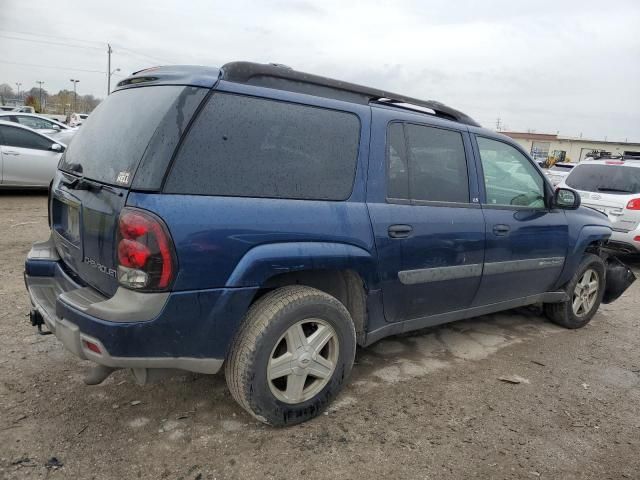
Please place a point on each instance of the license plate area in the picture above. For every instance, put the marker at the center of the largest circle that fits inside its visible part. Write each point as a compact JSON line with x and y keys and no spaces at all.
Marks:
{"x":66,"y":220}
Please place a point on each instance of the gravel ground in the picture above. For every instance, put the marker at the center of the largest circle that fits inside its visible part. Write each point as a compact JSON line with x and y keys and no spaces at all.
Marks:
{"x":428,"y":406}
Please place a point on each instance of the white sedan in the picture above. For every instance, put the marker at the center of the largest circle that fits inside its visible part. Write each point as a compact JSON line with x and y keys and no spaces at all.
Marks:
{"x":27,"y":158}
{"x":57,"y":130}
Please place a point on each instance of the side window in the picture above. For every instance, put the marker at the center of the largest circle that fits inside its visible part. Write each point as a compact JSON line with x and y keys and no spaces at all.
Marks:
{"x":509,"y":177}
{"x":254,"y":147}
{"x":33,"y":122}
{"x":21,"y":138}
{"x":397,"y":169}
{"x":437,"y":164}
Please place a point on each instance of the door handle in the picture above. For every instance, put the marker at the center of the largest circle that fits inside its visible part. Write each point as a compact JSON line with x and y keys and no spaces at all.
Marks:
{"x":501,"y":229}
{"x":10,"y":152}
{"x":400,"y":231}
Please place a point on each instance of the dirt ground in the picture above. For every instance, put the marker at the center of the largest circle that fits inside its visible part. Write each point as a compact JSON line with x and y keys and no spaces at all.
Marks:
{"x":425,"y":406}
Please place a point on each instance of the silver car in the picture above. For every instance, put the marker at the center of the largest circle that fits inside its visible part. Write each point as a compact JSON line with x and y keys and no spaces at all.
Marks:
{"x":558,"y":172}
{"x":28,"y":158}
{"x":612,"y":186}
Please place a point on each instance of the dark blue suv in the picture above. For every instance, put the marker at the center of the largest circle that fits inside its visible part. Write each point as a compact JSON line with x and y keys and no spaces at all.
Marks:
{"x":269,"y":221}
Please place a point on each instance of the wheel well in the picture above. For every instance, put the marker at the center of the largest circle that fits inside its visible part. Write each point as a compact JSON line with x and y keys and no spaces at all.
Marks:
{"x":345,"y":285}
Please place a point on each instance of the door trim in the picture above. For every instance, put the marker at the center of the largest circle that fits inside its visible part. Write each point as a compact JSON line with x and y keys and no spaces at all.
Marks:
{"x":437,"y":274}
{"x":509,"y":266}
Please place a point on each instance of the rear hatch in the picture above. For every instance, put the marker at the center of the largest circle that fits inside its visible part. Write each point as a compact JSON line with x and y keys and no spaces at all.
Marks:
{"x":610,"y":188}
{"x":134,"y":129}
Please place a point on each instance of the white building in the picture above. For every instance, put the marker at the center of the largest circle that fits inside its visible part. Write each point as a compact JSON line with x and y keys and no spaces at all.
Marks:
{"x":543,"y":145}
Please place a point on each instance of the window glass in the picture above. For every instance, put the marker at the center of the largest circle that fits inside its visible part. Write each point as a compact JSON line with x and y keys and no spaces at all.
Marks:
{"x":509,"y":177}
{"x":437,"y":164}
{"x":397,"y":172}
{"x":254,"y":147}
{"x":112,"y":140}
{"x":615,"y":179}
{"x":34,"y":122}
{"x":19,"y":137}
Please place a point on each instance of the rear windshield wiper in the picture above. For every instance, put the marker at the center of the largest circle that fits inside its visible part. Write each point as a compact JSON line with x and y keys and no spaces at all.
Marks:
{"x":605,"y":189}
{"x":81,"y":183}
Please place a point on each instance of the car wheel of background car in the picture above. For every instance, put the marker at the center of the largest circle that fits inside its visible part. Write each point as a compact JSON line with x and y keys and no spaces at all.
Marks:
{"x":291,"y":356}
{"x":585,"y":290}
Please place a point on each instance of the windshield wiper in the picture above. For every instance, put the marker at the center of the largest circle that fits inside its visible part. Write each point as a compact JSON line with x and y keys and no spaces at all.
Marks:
{"x":605,"y":189}
{"x":81,"y":183}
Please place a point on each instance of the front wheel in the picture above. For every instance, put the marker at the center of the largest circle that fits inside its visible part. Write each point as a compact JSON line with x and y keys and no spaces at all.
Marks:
{"x":585,"y":290}
{"x":291,"y":356}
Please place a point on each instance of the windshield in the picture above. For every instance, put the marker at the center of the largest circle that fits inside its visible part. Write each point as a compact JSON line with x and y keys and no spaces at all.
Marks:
{"x":114,"y":137}
{"x":616,"y":179}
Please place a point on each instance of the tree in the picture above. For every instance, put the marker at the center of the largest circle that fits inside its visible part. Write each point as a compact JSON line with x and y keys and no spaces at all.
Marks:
{"x":5,"y":92}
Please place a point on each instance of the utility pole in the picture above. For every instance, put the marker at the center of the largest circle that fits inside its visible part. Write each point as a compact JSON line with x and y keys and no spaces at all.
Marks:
{"x":498,"y":124}
{"x":75,"y":96}
{"x":109,"y":50}
{"x":18,"y":84}
{"x":40,"y":84}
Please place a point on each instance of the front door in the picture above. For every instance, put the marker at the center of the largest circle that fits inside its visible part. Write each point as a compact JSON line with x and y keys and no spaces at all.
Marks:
{"x":526,"y":242}
{"x":429,"y":235}
{"x":27,"y":157}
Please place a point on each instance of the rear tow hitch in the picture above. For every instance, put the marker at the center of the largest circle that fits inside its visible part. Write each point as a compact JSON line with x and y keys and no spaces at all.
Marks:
{"x":37,"y":321}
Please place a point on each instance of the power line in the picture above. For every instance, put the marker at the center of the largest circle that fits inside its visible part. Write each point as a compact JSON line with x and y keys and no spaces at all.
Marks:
{"x":126,"y":51}
{"x":52,"y":66}
{"x":49,"y":42}
{"x":52,"y":36}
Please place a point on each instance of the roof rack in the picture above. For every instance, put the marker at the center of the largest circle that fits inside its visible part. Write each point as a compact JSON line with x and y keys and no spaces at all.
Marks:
{"x":285,"y":78}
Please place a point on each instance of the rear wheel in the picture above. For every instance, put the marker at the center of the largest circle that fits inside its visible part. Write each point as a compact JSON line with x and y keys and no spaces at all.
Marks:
{"x":585,"y":291}
{"x":291,"y":356}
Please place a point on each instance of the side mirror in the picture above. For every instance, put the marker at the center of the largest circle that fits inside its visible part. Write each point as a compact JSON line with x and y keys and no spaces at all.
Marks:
{"x":55,"y":127}
{"x":56,"y":147}
{"x":566,"y":198}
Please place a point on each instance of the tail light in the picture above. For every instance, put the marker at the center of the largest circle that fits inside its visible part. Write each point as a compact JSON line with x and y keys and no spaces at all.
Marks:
{"x":146,"y":258}
{"x":634,"y":204}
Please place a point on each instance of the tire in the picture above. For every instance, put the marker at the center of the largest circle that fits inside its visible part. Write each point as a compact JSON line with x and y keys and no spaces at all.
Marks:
{"x":277,"y":336}
{"x":564,"y":314}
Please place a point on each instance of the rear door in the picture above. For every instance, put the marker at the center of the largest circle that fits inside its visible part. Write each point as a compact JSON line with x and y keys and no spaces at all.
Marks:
{"x":526,"y":243}
{"x":429,"y":233}
{"x":28,"y":159}
{"x":133,"y":130}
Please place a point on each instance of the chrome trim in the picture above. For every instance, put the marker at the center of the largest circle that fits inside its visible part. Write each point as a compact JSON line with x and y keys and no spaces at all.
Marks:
{"x":510,"y":266}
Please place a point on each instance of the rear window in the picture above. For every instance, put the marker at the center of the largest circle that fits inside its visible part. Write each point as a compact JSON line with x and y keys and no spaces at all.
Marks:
{"x":113,"y":138}
{"x":254,"y":147}
{"x":605,"y":178}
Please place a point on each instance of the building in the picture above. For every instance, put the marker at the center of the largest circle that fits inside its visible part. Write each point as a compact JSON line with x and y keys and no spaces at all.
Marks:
{"x":543,"y":145}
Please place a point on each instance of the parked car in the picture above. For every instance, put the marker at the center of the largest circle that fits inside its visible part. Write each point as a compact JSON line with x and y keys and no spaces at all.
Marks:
{"x":28,"y":158}
{"x":77,"y":119}
{"x":558,"y":172}
{"x":612,"y":186}
{"x":14,"y":108}
{"x":268,"y":221}
{"x":40,"y":123}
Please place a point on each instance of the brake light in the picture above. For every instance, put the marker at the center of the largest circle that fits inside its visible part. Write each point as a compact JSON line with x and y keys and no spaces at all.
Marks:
{"x":614,"y":162}
{"x":634,"y":204}
{"x":146,"y":259}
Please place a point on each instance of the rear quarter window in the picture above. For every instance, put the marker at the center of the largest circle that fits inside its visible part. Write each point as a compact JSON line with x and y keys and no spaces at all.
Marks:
{"x":605,"y":178}
{"x":255,"y":147}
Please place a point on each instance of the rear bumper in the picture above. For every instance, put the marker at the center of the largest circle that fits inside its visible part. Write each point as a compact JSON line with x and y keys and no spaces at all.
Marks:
{"x":182,"y":330}
{"x":624,"y":241}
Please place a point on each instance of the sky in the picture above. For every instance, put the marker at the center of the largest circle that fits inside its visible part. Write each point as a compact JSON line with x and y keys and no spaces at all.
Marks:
{"x":570,"y":67}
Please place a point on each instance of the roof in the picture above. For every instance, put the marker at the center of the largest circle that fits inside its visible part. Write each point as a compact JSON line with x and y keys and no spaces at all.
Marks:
{"x":281,"y":77}
{"x":531,"y":136}
{"x":558,"y":138}
{"x":285,"y":78}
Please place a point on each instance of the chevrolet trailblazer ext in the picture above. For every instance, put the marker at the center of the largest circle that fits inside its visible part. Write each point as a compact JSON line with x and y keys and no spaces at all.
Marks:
{"x":268,"y":221}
